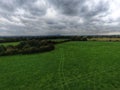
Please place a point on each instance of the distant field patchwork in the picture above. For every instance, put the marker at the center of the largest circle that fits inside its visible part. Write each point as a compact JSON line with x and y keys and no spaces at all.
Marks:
{"x":71,"y":66}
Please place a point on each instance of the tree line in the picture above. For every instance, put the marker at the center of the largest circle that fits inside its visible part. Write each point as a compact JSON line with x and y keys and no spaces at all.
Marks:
{"x":34,"y":46}
{"x":27,"y":47}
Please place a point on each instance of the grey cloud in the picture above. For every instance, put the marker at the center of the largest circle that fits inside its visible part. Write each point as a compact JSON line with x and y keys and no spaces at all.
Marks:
{"x":8,"y":7}
{"x":96,"y":10}
{"x":81,"y":9}
{"x":68,"y":7}
{"x":73,"y":17}
{"x":78,"y":7}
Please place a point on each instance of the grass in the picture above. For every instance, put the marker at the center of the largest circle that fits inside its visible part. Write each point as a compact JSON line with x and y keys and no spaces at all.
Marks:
{"x":11,"y":43}
{"x":105,"y":39}
{"x":71,"y":66}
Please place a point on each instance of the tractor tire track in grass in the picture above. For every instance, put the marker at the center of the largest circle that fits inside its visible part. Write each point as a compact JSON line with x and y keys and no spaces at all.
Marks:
{"x":60,"y":76}
{"x":85,"y":77}
{"x":91,"y":74}
{"x":63,"y":81}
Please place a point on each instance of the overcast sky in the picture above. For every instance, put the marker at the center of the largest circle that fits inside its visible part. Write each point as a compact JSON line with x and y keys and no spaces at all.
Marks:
{"x":59,"y":17}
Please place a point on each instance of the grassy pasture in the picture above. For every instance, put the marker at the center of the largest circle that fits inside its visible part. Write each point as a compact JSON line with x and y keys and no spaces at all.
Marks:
{"x":71,"y":66}
{"x":104,"y":39}
{"x":11,"y":43}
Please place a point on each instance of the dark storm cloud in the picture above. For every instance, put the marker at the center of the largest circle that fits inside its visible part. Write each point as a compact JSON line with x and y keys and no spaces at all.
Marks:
{"x":49,"y":17}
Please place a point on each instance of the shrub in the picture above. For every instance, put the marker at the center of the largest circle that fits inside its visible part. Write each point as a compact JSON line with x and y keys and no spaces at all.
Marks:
{"x":21,"y":44}
{"x":2,"y":49}
{"x":44,"y":42}
{"x":84,"y":39}
{"x":28,"y":47}
{"x":33,"y":42}
{"x":11,"y":51}
{"x":79,"y":38}
{"x":46,"y":48}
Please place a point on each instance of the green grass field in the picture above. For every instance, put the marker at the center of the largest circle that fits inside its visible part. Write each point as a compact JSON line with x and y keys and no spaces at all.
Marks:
{"x":11,"y":43}
{"x":71,"y":66}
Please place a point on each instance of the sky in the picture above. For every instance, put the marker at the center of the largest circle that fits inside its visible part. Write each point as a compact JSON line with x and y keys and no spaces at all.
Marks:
{"x":59,"y":17}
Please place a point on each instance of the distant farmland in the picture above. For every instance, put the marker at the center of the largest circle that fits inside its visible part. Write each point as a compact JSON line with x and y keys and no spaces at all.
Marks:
{"x":71,"y":66}
{"x":104,"y":39}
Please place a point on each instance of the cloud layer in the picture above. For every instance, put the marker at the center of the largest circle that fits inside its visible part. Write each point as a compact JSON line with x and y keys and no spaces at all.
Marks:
{"x":59,"y":17}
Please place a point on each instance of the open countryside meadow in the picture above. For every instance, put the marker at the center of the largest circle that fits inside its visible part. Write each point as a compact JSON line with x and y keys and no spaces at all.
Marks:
{"x":59,"y":45}
{"x":75,"y":65}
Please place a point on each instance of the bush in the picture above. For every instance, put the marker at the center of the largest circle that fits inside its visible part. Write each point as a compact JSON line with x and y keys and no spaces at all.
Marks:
{"x":21,"y":45}
{"x":28,"y":47}
{"x":46,"y":48}
{"x":84,"y":39}
{"x":33,"y":42}
{"x":2,"y":49}
{"x":79,"y":38}
{"x":11,"y":51}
